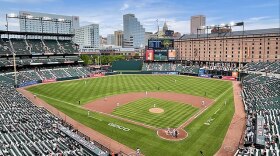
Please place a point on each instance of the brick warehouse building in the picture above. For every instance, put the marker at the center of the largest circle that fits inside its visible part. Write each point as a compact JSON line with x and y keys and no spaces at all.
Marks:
{"x":215,"y":48}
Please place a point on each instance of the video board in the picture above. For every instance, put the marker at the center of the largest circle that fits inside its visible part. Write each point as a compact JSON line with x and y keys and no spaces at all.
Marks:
{"x":149,"y":55}
{"x":171,"y":54}
{"x":161,"y":55}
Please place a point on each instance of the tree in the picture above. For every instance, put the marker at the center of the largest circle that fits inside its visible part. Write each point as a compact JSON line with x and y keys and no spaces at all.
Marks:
{"x":87,"y":59}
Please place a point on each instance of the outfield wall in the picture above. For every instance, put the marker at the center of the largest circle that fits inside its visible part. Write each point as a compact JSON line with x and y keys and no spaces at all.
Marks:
{"x":128,"y":72}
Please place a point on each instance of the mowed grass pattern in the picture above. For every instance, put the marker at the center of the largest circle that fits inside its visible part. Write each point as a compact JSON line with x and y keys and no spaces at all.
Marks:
{"x":173,"y":116}
{"x":90,"y":89}
{"x":201,"y":137}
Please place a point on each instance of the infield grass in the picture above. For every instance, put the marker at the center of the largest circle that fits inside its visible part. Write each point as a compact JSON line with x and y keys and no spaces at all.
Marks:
{"x":201,"y":137}
{"x":173,"y":116}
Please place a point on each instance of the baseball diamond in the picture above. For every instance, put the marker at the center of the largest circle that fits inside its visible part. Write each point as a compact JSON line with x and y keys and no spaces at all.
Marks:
{"x":145,"y":89}
{"x":135,"y":95}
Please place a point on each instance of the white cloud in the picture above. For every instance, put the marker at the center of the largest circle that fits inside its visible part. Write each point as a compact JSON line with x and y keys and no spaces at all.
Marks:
{"x":254,"y":19}
{"x":124,"y":7}
{"x":180,"y":26}
{"x":110,"y":19}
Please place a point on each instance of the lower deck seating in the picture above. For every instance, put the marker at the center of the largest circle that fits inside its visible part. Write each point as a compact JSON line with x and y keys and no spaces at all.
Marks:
{"x":45,"y":74}
{"x":261,"y":96}
{"x":26,"y":129}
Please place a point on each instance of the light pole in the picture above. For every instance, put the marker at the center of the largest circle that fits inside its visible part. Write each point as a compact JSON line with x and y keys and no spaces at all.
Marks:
{"x":13,"y":52}
{"x":7,"y":23}
{"x":207,"y":39}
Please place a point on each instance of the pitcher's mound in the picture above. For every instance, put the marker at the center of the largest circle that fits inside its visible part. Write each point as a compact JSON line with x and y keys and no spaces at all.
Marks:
{"x":156,"y":110}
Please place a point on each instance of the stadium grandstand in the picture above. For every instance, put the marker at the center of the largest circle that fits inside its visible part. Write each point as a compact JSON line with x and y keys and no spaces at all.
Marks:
{"x":261,"y":97}
{"x":28,"y":58}
{"x":26,"y":129}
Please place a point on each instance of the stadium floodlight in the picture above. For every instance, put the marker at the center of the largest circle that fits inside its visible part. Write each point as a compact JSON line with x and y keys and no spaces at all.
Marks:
{"x":61,"y":20}
{"x":236,"y":24}
{"x":46,"y":18}
{"x":12,"y":15}
{"x":29,"y":16}
{"x":239,"y":24}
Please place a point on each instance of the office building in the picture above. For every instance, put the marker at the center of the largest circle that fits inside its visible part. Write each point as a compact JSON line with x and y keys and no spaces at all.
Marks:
{"x":197,"y":22}
{"x":87,"y":36}
{"x":118,"y":38}
{"x":255,"y":46}
{"x":133,"y":32}
{"x":110,"y":39}
{"x":47,"y":23}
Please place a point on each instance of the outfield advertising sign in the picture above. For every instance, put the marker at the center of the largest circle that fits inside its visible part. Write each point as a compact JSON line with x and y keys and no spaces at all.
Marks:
{"x":28,"y":83}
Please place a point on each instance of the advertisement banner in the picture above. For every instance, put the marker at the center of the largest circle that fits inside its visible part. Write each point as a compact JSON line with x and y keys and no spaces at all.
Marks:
{"x":149,"y":55}
{"x":97,"y":75}
{"x":260,"y":137}
{"x":165,"y":73}
{"x":172,"y":54}
{"x":201,"y":71}
{"x":49,"y":80}
{"x":234,"y":74}
{"x":229,"y":78}
{"x":28,"y":83}
{"x":206,"y":75}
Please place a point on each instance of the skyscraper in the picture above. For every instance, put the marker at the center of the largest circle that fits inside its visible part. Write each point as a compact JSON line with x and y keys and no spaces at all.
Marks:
{"x":118,"y":38}
{"x":110,"y":39}
{"x":133,"y":32}
{"x":87,"y":36}
{"x":47,"y":23}
{"x":196,"y":22}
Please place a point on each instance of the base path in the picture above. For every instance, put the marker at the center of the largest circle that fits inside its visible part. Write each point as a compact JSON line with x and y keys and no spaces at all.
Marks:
{"x":237,"y":125}
{"x":108,"y":104}
{"x":113,"y":145}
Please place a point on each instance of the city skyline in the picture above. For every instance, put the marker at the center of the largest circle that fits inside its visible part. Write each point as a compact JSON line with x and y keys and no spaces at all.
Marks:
{"x":177,"y":13}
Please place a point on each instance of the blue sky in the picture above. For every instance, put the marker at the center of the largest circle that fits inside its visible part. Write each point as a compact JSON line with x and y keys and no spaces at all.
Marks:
{"x":256,"y":14}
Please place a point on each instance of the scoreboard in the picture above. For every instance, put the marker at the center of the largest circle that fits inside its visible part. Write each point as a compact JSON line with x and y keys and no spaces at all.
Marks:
{"x":160,"y":50}
{"x":161,"y":44}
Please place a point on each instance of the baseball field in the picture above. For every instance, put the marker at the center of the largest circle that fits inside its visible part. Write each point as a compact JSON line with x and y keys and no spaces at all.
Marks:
{"x":142,"y":104}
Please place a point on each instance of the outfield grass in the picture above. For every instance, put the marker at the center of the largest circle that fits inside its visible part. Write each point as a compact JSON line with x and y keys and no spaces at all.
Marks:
{"x":201,"y":137}
{"x":173,"y":116}
{"x":90,"y":89}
